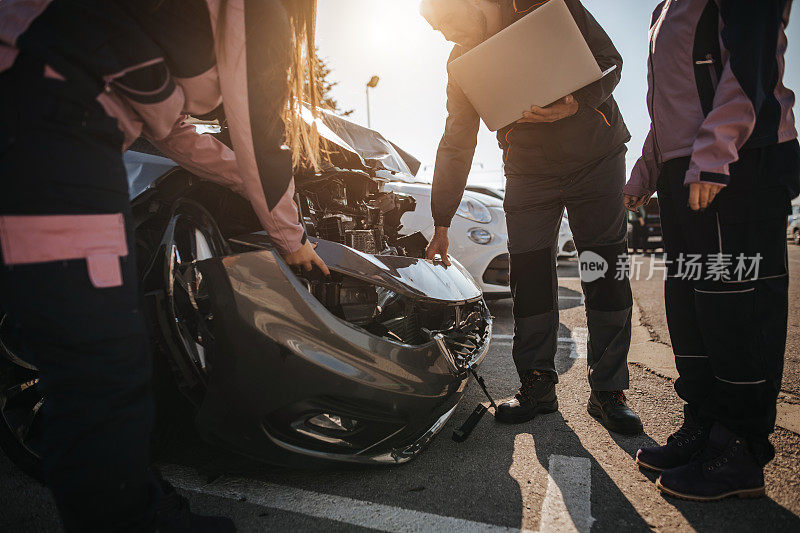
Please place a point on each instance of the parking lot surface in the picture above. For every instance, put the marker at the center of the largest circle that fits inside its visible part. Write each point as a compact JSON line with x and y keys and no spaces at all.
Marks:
{"x":560,"y":472}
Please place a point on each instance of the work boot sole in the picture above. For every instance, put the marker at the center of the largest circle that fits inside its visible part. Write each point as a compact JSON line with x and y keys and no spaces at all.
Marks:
{"x":597,"y":412}
{"x":540,"y":409}
{"x":757,"y":492}
{"x":647,"y":466}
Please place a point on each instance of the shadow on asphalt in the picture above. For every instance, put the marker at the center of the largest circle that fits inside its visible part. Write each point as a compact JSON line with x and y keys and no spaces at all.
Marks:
{"x":631,"y":445}
{"x":556,"y":437}
{"x":762,"y":514}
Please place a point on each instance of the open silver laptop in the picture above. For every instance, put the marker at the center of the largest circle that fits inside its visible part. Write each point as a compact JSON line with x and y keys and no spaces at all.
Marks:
{"x":535,"y":61}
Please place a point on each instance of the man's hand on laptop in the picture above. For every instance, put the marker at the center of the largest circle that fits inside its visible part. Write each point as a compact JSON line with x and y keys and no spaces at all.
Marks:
{"x":566,"y":107}
{"x":438,"y":246}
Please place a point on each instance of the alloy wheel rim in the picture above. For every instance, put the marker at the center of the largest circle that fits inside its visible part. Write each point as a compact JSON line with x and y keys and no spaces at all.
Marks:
{"x":189,"y":302}
{"x":21,"y":399}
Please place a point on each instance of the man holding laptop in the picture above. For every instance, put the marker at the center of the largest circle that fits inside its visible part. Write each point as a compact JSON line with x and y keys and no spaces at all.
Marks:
{"x":570,"y":154}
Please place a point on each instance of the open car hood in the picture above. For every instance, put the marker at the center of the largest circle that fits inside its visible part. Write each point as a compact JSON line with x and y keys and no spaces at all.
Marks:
{"x":351,"y":146}
{"x":417,"y":278}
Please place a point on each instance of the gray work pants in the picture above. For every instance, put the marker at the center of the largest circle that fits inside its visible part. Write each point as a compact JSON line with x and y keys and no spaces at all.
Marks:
{"x":534,"y":206}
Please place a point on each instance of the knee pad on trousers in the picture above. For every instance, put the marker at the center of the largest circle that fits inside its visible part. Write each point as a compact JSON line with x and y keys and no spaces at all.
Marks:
{"x":532,"y":283}
{"x":611,"y":291}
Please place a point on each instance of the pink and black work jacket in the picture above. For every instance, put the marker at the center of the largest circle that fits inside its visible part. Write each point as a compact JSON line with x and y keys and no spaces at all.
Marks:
{"x":149,"y":63}
{"x":715,"y":76}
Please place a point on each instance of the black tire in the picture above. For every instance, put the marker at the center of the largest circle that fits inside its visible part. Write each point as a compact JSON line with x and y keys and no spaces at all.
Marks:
{"x":20,"y":407}
{"x":179,"y":381}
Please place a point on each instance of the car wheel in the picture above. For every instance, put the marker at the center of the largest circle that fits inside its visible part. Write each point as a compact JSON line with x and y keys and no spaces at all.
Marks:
{"x":797,"y":237}
{"x":186,"y":319}
{"x":21,"y":404}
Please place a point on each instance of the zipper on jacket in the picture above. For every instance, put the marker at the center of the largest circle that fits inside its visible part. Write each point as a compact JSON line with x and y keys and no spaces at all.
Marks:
{"x":656,"y":148}
{"x":508,"y":144}
{"x":651,"y":104}
{"x":604,"y":117}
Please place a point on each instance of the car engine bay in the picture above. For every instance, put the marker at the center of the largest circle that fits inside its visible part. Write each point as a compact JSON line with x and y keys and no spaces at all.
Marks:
{"x":349,"y":207}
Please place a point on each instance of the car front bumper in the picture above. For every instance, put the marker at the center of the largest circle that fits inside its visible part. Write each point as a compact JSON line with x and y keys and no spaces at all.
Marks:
{"x":281,"y":358}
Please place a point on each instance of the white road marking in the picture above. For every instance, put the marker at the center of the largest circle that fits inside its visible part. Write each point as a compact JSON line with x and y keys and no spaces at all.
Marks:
{"x":576,"y":341}
{"x":327,"y":506}
{"x":579,"y":338}
{"x":567,"y":504}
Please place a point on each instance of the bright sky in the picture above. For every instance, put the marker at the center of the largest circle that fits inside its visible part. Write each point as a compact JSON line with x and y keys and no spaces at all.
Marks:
{"x":388,"y":38}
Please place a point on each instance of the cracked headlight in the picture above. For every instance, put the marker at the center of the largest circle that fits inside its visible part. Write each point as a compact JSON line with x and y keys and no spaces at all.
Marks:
{"x":474,"y":210}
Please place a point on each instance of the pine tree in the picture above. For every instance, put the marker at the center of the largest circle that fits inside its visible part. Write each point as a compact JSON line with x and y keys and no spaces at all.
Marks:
{"x":326,"y":85}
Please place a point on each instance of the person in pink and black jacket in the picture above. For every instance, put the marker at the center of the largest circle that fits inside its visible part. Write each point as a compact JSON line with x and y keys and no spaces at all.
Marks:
{"x":723,"y":155}
{"x":80,"y":80}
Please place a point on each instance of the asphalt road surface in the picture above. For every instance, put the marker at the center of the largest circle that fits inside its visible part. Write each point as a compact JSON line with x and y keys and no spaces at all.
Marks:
{"x":560,"y":472}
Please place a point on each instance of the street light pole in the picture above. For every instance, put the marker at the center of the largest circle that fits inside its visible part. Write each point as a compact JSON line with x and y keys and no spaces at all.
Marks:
{"x":369,"y":117}
{"x":371,"y":84}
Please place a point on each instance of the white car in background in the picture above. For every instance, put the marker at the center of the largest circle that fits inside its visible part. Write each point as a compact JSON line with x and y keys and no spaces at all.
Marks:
{"x":478,"y":235}
{"x":565,"y":244}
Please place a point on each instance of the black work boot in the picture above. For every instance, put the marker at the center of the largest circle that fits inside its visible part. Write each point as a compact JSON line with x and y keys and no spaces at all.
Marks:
{"x":537,"y":395}
{"x":725,"y":467}
{"x":611,"y":409}
{"x":680,"y":446}
{"x":174,"y":516}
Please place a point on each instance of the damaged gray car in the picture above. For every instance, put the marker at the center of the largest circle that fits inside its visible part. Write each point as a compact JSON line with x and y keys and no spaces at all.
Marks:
{"x":284,"y":366}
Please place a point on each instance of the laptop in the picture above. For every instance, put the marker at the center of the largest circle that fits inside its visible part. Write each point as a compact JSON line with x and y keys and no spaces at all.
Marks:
{"x":535,"y":61}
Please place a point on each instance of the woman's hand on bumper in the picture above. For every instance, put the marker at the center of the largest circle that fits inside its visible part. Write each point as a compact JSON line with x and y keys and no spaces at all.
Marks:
{"x":307,"y":258}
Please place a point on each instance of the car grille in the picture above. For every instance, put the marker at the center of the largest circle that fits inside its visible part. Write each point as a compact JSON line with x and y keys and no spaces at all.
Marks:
{"x":466,"y":339}
{"x":497,"y":271}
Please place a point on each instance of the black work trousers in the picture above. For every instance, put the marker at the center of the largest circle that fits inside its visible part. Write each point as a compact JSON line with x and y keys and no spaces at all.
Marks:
{"x":60,"y":155}
{"x":726,"y":291}
{"x":534,"y":206}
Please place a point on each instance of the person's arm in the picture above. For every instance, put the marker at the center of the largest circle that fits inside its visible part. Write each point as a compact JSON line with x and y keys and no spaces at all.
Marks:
{"x":455,"y":153}
{"x":253,"y":55}
{"x":749,"y":35}
{"x":202,"y":155}
{"x":604,"y":52}
{"x":642,"y":183}
{"x":453,"y":162}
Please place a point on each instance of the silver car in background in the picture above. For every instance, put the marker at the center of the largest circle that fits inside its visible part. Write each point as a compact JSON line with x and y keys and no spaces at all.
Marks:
{"x":793,"y":225}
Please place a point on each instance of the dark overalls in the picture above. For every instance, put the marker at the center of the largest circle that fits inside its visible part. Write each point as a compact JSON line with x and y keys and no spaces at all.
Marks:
{"x":60,"y":154}
{"x":729,"y":332}
{"x":720,"y":114}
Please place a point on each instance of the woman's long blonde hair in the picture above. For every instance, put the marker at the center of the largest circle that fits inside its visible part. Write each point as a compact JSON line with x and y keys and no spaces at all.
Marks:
{"x":302,"y":85}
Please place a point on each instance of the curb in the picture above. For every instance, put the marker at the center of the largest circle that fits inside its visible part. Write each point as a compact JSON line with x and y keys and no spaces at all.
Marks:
{"x":658,"y":358}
